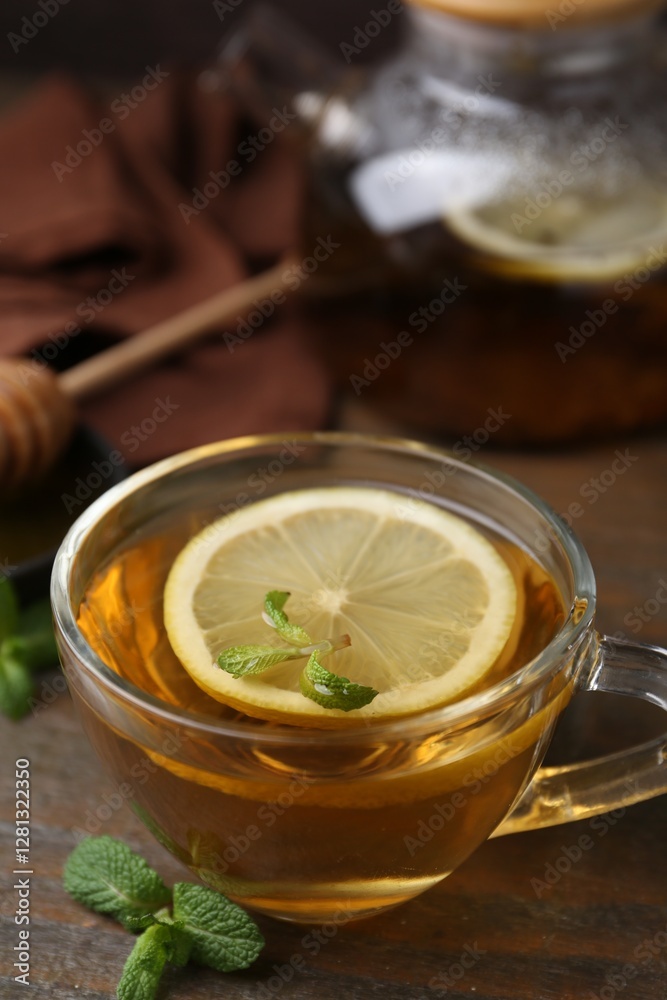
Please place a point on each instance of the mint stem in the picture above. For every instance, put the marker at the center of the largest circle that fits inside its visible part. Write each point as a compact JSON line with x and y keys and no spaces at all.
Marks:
{"x":327,"y":646}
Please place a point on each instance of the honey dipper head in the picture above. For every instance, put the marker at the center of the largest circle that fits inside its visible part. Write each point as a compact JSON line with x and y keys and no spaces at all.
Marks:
{"x":36,"y":422}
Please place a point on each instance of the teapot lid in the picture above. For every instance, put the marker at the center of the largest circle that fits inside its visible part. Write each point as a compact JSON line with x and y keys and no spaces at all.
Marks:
{"x":533,"y":13}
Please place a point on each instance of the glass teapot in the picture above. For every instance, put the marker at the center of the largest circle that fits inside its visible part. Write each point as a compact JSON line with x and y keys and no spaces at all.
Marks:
{"x":497,"y":191}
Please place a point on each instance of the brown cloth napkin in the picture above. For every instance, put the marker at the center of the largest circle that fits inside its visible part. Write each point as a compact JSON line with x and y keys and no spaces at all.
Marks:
{"x":116,"y":213}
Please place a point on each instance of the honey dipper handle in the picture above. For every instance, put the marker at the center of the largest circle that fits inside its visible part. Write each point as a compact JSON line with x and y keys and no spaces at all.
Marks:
{"x":130,"y":356}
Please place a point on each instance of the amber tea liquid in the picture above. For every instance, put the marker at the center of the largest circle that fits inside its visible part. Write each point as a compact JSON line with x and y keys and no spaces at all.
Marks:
{"x":291,"y":832}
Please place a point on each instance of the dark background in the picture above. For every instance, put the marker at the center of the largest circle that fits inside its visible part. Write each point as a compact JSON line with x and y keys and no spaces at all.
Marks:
{"x":110,"y":37}
{"x":121,"y":37}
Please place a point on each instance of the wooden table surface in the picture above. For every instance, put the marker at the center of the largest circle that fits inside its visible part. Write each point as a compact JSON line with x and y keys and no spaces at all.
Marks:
{"x":572,"y":943}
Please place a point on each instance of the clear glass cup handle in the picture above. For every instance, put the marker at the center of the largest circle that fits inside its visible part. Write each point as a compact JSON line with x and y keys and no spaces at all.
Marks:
{"x":577,"y":791}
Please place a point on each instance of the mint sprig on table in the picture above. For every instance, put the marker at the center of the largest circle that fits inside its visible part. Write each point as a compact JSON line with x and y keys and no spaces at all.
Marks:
{"x":316,"y":682}
{"x":190,"y":924}
{"x":27,"y":644}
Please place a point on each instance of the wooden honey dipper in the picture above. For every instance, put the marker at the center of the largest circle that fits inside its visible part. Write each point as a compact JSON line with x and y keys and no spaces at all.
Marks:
{"x":38,"y":407}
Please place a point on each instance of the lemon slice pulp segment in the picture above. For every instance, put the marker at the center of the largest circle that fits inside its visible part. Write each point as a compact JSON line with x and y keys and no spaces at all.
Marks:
{"x":426,"y":599}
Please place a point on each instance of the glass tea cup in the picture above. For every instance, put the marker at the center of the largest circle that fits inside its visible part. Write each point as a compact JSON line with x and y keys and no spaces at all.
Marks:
{"x":307,"y":824}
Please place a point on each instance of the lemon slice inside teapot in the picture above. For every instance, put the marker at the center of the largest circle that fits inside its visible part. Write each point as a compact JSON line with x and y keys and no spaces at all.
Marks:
{"x":569,"y":236}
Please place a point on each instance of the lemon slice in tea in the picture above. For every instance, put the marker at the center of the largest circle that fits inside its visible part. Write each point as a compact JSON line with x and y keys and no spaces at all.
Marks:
{"x":426,"y":599}
{"x":575,"y":237}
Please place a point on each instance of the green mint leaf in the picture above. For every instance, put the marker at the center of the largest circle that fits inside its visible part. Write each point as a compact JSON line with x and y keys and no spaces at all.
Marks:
{"x":35,"y":640}
{"x":36,"y":651}
{"x":223,"y":935}
{"x":274,"y":603}
{"x":276,"y":598}
{"x":181,"y":942}
{"x":331,"y":691}
{"x":9,"y":608}
{"x":143,"y":969}
{"x":106,"y":876}
{"x":242,"y":661}
{"x":27,"y":642}
{"x":15,"y":683}
{"x":138,"y":923}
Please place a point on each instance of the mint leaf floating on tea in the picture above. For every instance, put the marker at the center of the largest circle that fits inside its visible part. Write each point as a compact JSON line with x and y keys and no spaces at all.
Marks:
{"x":332,"y":691}
{"x":273,"y":615}
{"x":243,"y":661}
{"x":204,"y":927}
{"x":320,"y":685}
